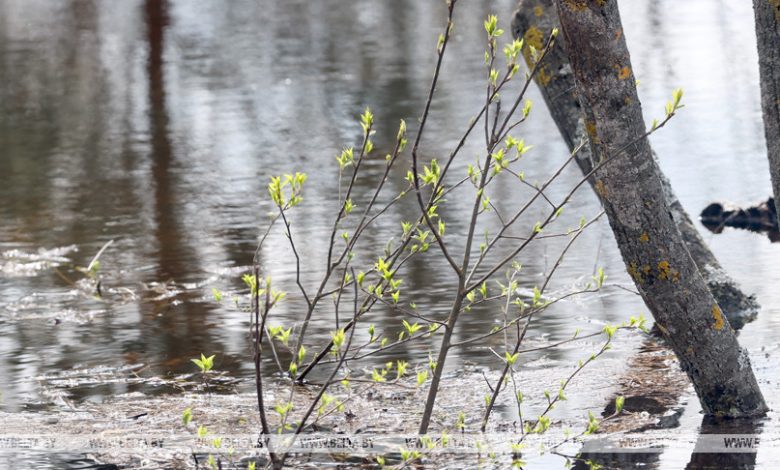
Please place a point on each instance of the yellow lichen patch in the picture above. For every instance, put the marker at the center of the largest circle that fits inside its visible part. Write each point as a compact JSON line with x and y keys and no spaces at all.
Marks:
{"x":538,"y":10}
{"x":577,"y":5}
{"x":601,"y":189}
{"x":624,"y":73}
{"x":718,"y":316}
{"x":663,"y":270}
{"x":776,"y":5}
{"x":663,"y":266}
{"x":644,"y":238}
{"x":543,"y":76}
{"x":618,"y":34}
{"x":601,"y":2}
{"x":635,"y":273}
{"x":667,"y":273}
{"x":534,"y":37}
{"x":646,"y":269}
{"x":627,"y":101}
{"x":590,"y":128}
{"x":689,"y":350}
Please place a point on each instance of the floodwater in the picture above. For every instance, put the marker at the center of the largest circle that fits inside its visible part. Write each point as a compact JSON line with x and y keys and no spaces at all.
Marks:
{"x":158,"y":124}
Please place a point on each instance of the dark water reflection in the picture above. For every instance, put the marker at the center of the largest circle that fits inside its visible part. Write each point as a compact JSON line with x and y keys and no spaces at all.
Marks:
{"x":157,"y":124}
{"x":167,"y":119}
{"x":699,"y":459}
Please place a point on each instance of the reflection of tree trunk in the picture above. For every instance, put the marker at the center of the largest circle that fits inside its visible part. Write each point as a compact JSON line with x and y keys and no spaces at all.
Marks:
{"x":701,"y":459}
{"x":157,"y":20}
{"x":616,"y":460}
{"x":768,"y":35}
{"x":175,"y":256}
{"x":534,"y":20}
{"x":168,"y":233}
{"x":633,"y":197}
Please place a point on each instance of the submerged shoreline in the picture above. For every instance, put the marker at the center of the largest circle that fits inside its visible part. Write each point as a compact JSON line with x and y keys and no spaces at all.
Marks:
{"x":140,"y":431}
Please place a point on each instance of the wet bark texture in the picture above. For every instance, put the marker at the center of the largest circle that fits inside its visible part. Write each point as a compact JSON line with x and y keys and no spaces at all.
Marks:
{"x":633,"y":197}
{"x":768,"y":35}
{"x":533,"y":21}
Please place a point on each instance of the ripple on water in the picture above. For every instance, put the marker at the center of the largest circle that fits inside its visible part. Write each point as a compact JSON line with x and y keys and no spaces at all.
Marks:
{"x":19,"y":263}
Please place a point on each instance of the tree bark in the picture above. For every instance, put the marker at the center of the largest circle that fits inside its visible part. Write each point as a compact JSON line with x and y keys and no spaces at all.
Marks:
{"x":768,"y":35}
{"x":633,"y":197}
{"x":533,"y":21}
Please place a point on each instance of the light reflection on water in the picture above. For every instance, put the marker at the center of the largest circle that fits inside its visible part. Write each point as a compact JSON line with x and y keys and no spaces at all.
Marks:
{"x":158,"y":127}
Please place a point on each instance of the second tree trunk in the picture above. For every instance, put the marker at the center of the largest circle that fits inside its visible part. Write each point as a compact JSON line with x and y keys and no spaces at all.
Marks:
{"x":533,"y":22}
{"x":633,"y":197}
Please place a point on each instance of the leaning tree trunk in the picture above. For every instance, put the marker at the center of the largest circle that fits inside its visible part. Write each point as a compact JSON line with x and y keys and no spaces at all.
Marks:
{"x":768,"y":35}
{"x":633,"y":197}
{"x":533,"y":22}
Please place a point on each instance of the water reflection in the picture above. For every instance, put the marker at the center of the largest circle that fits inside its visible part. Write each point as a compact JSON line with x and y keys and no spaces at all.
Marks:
{"x":701,"y":453}
{"x":158,"y":125}
{"x":175,"y":256}
{"x":700,"y":459}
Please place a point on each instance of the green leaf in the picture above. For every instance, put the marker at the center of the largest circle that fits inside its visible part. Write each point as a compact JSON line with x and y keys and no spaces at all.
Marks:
{"x":400,"y":368}
{"x":401,"y":130}
{"x":377,"y":376}
{"x":537,"y":296}
{"x":593,"y":424}
{"x":527,"y":108}
{"x":600,"y":277}
{"x":338,"y":337}
{"x":204,"y":363}
{"x":282,"y":335}
{"x":490,"y":25}
{"x":411,"y":329}
{"x":422,"y":376}
{"x":677,"y":95}
{"x":619,"y":402}
{"x":366,"y":120}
